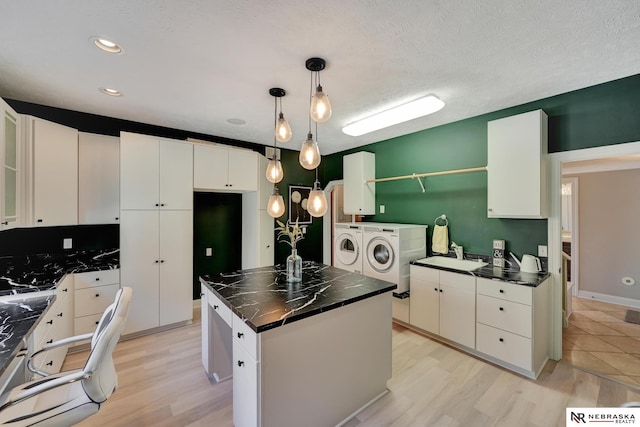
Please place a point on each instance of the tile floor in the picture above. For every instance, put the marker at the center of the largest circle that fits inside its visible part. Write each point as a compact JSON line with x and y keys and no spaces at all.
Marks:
{"x":599,"y":340}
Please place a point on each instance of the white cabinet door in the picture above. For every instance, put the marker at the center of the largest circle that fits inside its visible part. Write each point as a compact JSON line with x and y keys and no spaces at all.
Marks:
{"x":210,"y":167}
{"x":55,"y":174}
{"x":139,"y":171}
{"x":266,"y":239}
{"x":516,"y":177}
{"x":359,"y":197}
{"x":424,"y":304}
{"x":139,"y":260}
{"x":176,"y":175}
{"x":10,"y":167}
{"x":245,"y":388}
{"x":98,"y":179}
{"x":176,"y":266}
{"x":458,"y":315}
{"x":243,"y":170}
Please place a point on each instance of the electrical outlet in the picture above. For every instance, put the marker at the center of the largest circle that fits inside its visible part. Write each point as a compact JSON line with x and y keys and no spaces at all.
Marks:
{"x":542,"y":250}
{"x":67,"y":243}
{"x":208,"y":252}
{"x":381,"y":208}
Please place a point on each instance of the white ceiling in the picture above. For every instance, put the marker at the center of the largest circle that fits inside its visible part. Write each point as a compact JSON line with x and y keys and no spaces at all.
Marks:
{"x":192,"y":65}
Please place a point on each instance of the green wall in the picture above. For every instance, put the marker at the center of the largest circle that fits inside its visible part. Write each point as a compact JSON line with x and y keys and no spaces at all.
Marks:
{"x":605,"y":114}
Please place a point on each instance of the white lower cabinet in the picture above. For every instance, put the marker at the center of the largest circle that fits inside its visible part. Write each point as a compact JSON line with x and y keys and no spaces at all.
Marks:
{"x":246,"y":374}
{"x":443,"y":303}
{"x":55,"y":325}
{"x":503,"y":322}
{"x":94,"y":292}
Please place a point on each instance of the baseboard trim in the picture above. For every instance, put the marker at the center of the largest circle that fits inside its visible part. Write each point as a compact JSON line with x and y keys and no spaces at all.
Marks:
{"x":612,"y":299}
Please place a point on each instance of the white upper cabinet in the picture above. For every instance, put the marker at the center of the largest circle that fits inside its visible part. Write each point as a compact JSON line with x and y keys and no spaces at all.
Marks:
{"x":98,"y":179}
{"x":52,"y":163}
{"x":517,"y":152}
{"x":359,"y":197}
{"x":220,"y":168}
{"x":11,"y":167}
{"x":155,"y":173}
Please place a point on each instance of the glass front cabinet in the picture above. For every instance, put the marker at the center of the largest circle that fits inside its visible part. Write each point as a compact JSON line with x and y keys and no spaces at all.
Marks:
{"x":10,"y":161}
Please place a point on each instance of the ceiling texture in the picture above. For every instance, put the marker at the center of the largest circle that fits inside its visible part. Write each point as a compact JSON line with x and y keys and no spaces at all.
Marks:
{"x":193,"y":65}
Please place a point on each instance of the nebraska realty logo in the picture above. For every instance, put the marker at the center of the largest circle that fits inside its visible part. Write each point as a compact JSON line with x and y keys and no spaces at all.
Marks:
{"x":602,"y":416}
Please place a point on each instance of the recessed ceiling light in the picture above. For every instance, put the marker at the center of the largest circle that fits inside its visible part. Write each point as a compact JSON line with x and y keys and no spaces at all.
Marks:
{"x":237,"y":122}
{"x":110,"y":92}
{"x":107,"y":45}
{"x":402,"y":113}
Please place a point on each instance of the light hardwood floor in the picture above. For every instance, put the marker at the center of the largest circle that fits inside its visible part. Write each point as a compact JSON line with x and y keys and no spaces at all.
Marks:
{"x":162,"y":383}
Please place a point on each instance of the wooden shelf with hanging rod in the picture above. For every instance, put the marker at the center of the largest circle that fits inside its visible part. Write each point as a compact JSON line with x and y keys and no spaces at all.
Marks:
{"x":424,"y":175}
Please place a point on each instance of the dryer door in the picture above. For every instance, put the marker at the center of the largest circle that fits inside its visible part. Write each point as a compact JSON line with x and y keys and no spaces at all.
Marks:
{"x":347,"y":249}
{"x":380,"y":254}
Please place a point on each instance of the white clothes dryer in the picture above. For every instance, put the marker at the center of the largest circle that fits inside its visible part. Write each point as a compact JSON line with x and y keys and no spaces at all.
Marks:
{"x":347,"y":247}
{"x":389,"y":248}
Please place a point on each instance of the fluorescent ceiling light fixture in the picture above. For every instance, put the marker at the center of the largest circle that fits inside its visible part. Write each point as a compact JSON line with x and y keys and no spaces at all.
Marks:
{"x":402,"y":113}
{"x":110,"y":92}
{"x":107,"y":45}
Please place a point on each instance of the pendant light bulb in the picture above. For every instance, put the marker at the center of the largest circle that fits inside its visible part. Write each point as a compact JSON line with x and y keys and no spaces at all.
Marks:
{"x":309,"y":153}
{"x":317,"y":205}
{"x":320,"y":109}
{"x":275,"y":207}
{"x":283,"y":130}
{"x":274,"y":171}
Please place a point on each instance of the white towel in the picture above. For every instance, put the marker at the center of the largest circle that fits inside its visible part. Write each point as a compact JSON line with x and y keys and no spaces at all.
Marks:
{"x":440,"y":239}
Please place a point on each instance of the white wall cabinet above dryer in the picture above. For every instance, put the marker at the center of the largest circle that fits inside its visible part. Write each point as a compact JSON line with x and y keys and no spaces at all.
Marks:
{"x":52,"y":173}
{"x":155,"y":173}
{"x":10,"y":167}
{"x":517,"y":152}
{"x":359,"y":197}
{"x":98,"y":179}
{"x":216,"y":167}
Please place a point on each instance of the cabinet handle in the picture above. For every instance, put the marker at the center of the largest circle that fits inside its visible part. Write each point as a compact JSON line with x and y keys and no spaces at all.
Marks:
{"x":97,"y":279}
{"x":240,"y":363}
{"x":161,"y":261}
{"x":50,"y":363}
{"x":490,"y":210}
{"x":501,"y":309}
{"x":97,"y":322}
{"x":215,"y":307}
{"x":50,"y":322}
{"x":240,"y":335}
{"x":435,"y":289}
{"x":157,"y":204}
{"x":501,"y":340}
{"x":39,"y":220}
{"x":50,"y":341}
{"x":59,"y":314}
{"x":97,"y":295}
{"x":65,"y":290}
{"x":201,"y":294}
{"x":161,"y":204}
{"x":501,"y":291}
{"x":157,"y":261}
{"x":117,"y":218}
{"x":5,"y":223}
{"x":440,"y":290}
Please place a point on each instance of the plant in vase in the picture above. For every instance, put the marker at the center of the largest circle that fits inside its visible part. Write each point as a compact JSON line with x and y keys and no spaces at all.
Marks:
{"x":291,"y":234}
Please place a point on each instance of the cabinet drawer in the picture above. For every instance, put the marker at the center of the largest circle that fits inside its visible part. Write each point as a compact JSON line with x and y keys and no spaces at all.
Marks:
{"x":506,"y":291}
{"x":86,"y":324}
{"x":219,"y":307}
{"x":464,"y":282}
{"x":424,"y":274}
{"x":50,"y":361}
{"x":94,"y":300}
{"x":506,"y":315}
{"x":508,"y":347}
{"x":52,"y":321}
{"x":244,"y":335}
{"x":246,"y":388}
{"x":97,"y":278}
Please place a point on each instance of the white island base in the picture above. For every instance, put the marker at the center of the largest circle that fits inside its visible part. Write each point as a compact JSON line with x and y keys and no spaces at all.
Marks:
{"x":317,"y":371}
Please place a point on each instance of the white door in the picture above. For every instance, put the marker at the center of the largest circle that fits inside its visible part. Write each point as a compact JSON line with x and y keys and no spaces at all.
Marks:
{"x":457,"y":315}
{"x":243,"y":170}
{"x":176,"y":266}
{"x":176,"y":175}
{"x":10,"y":167}
{"x":55,"y":174}
{"x":210,"y":167}
{"x":139,"y":171}
{"x":139,"y":267}
{"x":265,"y":251}
{"x":245,"y":388}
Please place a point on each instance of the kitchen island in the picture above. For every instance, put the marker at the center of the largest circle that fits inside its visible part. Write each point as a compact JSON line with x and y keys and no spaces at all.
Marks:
{"x":311,"y":353}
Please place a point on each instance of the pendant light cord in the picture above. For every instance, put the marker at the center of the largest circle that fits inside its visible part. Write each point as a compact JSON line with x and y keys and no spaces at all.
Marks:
{"x":275,"y":125}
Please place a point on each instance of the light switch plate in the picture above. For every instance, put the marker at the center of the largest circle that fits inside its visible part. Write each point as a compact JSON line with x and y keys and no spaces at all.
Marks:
{"x":208,"y":252}
{"x":381,"y":208}
{"x":67,"y":243}
{"x":542,"y":250}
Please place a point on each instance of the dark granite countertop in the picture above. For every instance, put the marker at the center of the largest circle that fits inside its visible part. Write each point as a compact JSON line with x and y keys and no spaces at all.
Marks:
{"x":25,"y":283}
{"x":264,"y":299}
{"x":507,"y":274}
{"x":41,"y":272}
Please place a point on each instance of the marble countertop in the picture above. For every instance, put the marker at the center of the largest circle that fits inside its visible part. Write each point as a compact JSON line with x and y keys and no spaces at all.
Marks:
{"x":510,"y":275}
{"x":25,"y":285}
{"x":264,"y":299}
{"x":41,"y":272}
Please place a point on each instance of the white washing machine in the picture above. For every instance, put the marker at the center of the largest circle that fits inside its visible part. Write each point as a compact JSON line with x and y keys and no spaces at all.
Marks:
{"x":389,"y":248}
{"x":347,"y":246}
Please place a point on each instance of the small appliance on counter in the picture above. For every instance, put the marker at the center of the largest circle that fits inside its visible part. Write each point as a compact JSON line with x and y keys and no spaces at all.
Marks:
{"x":529,"y":263}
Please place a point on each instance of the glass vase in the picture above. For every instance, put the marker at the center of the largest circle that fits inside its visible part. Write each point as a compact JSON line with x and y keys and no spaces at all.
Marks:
{"x":294,"y":267}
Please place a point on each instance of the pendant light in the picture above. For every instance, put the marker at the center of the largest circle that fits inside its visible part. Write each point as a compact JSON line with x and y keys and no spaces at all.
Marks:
{"x":275,"y":207}
{"x":310,"y":153}
{"x":282,"y":133}
{"x":317,"y":204}
{"x":320,"y":108}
